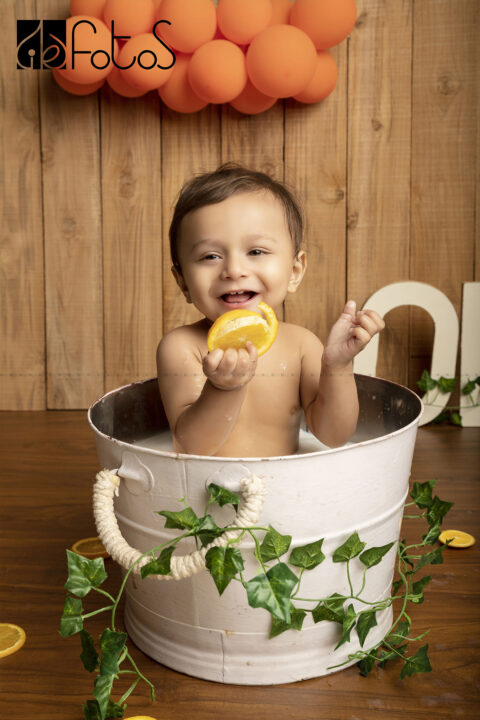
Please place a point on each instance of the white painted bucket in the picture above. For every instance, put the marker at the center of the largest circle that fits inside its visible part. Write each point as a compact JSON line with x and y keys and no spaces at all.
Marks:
{"x":317,"y":493}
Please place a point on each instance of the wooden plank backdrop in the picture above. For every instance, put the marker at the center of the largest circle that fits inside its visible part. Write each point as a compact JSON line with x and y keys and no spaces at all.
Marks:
{"x":387,"y":170}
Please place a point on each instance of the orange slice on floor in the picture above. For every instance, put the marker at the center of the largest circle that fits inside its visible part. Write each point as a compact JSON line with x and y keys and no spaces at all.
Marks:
{"x":12,"y":638}
{"x":235,"y":327}
{"x":141,"y":717}
{"x":90,"y":548}
{"x":459,"y":539}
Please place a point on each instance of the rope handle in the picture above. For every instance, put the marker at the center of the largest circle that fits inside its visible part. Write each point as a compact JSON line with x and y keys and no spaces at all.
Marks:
{"x":107,"y":485}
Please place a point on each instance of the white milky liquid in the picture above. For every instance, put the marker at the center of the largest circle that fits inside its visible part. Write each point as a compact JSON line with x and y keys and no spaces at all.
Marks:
{"x":163,"y":441}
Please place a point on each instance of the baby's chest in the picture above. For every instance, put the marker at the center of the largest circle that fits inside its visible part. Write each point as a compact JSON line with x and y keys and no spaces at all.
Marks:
{"x":274,"y":392}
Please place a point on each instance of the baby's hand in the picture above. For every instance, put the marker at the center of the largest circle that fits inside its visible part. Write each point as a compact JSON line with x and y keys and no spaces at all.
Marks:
{"x":350,"y":334}
{"x":231,"y":369}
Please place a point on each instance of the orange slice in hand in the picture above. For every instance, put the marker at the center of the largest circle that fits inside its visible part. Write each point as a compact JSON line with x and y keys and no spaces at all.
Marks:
{"x":459,"y":539}
{"x":12,"y":638}
{"x":90,"y":548}
{"x":235,"y":327}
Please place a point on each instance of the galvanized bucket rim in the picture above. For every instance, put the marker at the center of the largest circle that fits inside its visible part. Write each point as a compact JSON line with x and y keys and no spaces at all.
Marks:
{"x":183,"y":456}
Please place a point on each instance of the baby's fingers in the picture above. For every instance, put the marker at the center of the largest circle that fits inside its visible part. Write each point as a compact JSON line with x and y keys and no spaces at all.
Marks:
{"x":370,"y":320}
{"x":361,"y":336}
{"x":212,"y":360}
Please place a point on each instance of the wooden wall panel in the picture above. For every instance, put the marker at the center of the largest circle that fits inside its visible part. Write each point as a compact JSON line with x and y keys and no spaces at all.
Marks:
{"x":445,"y":86}
{"x":190,"y":145}
{"x":315,"y":167}
{"x":73,"y":240}
{"x":387,"y":169}
{"x":132,"y":235}
{"x":379,"y":121}
{"x":22,"y":321}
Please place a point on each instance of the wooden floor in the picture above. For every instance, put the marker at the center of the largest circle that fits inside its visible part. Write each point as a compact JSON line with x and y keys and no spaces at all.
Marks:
{"x":48,"y":463}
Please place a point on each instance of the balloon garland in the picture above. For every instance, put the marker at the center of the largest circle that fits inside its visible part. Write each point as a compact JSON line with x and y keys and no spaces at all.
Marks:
{"x":248,"y":53}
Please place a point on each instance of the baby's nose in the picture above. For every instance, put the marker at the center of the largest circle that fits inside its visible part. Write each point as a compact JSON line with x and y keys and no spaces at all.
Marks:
{"x":233,"y":267}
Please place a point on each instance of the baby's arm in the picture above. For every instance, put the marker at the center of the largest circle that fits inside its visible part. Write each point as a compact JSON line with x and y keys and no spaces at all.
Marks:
{"x":328,"y":396}
{"x":202,"y":413}
{"x":331,"y":410}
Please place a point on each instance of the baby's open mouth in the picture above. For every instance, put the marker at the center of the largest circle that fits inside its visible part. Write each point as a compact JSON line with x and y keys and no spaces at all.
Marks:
{"x":238,"y":298}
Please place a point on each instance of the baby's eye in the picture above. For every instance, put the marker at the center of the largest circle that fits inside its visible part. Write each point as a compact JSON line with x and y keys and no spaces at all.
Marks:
{"x":209,"y":256}
{"x":257,"y":250}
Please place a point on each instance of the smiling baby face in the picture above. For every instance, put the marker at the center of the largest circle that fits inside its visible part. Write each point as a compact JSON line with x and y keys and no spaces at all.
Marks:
{"x":237,"y":252}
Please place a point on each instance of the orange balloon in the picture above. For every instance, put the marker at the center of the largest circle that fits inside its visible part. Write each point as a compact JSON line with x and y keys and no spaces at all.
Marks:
{"x":280,"y":12}
{"x":323,"y":81}
{"x":251,"y":101}
{"x":139,"y":60}
{"x":131,"y":18}
{"x":281,"y":61}
{"x":92,"y":35}
{"x":119,"y":85}
{"x":87,"y":7}
{"x":192,"y":23}
{"x":177,"y":93}
{"x":327,"y":22}
{"x":241,"y":20}
{"x":217,"y":71}
{"x":76,"y":88}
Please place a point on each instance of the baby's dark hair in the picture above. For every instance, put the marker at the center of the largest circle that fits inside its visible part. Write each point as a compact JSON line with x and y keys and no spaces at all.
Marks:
{"x":227,"y":180}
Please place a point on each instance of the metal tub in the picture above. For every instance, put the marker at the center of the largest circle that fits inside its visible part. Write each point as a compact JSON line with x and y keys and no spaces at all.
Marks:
{"x":317,"y":493}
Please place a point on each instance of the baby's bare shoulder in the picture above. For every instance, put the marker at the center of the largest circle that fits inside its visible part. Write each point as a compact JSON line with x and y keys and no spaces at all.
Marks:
{"x":181,"y":343}
{"x":304,"y":339}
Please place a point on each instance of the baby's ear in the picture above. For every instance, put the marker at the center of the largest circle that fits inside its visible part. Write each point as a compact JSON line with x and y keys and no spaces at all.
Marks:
{"x":298,"y":271}
{"x":179,"y":279}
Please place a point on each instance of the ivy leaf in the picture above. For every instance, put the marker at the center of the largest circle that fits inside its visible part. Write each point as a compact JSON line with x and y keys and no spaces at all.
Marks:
{"x":396,"y":586}
{"x":455,"y":418}
{"x":386,"y":655}
{"x":437,"y":511}
{"x":416,"y":595}
{"x":307,"y":556}
{"x":84,"y":574}
{"x":91,"y":710}
{"x":222,"y":496}
{"x":365,"y":665}
{"x":111,"y":645}
{"x":399,"y":633}
{"x":160,"y":565}
{"x":348,"y":625}
{"x":432,"y":558}
{"x":374,"y":555}
{"x":322,"y":612}
{"x":469,"y":387}
{"x":182,"y":520}
{"x":446,"y":385}
{"x":350,"y":549}
{"x":71,"y":621}
{"x":422,"y":493}
{"x":418,"y":663}
{"x":89,"y":656}
{"x":274,"y":545}
{"x":426,"y":382}
{"x":206,"y":529}
{"x":223,"y":564}
{"x":297,"y":617}
{"x":330,"y":609}
{"x":101,"y":692}
{"x":272,"y":591}
{"x":432,"y":535}
{"x":366,"y":621}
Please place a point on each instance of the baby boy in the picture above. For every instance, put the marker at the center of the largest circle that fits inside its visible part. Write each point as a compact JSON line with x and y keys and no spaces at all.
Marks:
{"x":235,"y":240}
